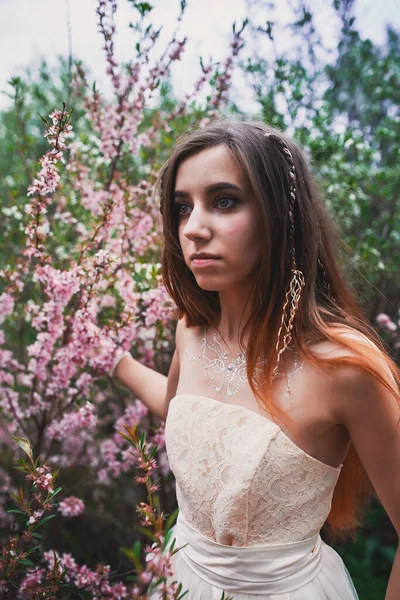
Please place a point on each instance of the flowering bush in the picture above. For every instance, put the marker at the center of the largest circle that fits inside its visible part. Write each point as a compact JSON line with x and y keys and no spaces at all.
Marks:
{"x":80,"y":270}
{"x":88,"y":278}
{"x":62,"y":573}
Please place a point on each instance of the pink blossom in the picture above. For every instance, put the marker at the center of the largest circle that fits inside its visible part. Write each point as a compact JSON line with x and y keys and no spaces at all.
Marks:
{"x":66,"y":562}
{"x":385,"y":322}
{"x":82,"y":420}
{"x":94,"y":287}
{"x":159,"y":306}
{"x":35,"y":516}
{"x":85,"y":577}
{"x":118,"y":591}
{"x":49,"y":557}
{"x":30,"y":583}
{"x":69,"y":563}
{"x":71,"y":507}
{"x":178,"y":50}
{"x":145,"y":578}
{"x":43,"y":480}
{"x":6,"y":305}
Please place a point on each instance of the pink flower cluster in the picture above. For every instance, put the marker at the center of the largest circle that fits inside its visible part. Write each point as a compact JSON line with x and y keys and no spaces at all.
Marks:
{"x":383,"y":321}
{"x":96,"y":583}
{"x":48,"y":177}
{"x":6,"y":306}
{"x":76,"y":431}
{"x":43,"y":479}
{"x":159,"y":306}
{"x":30,"y":584}
{"x":88,"y":283}
{"x":71,"y":507}
{"x":116,"y":453}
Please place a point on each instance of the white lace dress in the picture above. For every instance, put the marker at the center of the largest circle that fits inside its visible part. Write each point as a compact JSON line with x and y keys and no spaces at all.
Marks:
{"x":251,"y":504}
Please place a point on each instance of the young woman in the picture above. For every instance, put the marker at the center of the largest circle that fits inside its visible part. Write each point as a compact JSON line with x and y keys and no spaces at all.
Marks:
{"x":281,"y":404}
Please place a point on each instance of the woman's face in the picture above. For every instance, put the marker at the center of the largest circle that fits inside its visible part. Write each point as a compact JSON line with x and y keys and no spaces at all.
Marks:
{"x":220,"y":229}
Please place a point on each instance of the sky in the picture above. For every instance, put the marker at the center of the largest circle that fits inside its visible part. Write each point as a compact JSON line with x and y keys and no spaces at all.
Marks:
{"x":35,"y":29}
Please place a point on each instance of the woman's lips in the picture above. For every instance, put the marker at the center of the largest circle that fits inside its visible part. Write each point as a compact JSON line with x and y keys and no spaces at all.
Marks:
{"x":204,"y":262}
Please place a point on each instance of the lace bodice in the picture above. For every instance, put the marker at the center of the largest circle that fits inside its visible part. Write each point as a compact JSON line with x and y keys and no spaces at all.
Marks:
{"x":239,"y":479}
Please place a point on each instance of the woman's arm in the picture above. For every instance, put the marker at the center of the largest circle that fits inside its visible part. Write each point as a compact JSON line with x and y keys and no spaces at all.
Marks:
{"x":152,"y":388}
{"x":372,"y":417}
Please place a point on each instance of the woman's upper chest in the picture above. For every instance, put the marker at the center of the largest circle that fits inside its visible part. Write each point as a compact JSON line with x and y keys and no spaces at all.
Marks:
{"x":313,"y":427}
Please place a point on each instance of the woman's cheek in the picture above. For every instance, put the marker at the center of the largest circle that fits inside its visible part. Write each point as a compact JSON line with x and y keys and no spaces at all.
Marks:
{"x":239,"y":230}
{"x":238,"y":226}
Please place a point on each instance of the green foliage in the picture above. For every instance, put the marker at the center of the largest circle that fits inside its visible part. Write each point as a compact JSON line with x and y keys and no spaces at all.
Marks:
{"x":22,"y":144}
{"x":369,"y":558}
{"x":346,"y":113}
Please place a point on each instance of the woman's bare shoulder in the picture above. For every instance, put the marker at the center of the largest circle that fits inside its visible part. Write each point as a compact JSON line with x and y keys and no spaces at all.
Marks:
{"x":184,"y":334}
{"x":346,"y":377}
{"x":346,"y":342}
{"x":349,"y":352}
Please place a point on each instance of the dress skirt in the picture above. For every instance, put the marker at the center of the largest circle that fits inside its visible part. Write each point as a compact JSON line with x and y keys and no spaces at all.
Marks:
{"x":305,"y":570}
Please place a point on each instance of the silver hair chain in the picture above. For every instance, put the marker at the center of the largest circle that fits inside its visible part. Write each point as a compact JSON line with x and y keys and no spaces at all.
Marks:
{"x":227,"y":376}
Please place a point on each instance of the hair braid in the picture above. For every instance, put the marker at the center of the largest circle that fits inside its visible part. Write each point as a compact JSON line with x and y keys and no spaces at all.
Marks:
{"x":297,"y":282}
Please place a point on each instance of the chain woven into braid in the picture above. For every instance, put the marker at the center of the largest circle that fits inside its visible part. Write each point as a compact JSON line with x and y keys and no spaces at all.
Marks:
{"x":326,"y":282}
{"x":297,"y":282}
{"x":287,"y":155}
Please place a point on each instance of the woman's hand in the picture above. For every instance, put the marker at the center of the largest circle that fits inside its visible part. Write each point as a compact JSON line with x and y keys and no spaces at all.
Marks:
{"x":105,"y":346}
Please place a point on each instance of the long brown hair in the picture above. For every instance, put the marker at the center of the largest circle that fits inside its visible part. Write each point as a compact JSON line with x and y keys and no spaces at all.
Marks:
{"x":328,"y":309}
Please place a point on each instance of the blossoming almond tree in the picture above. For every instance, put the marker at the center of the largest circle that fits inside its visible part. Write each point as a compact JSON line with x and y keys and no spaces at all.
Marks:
{"x":88,"y":277}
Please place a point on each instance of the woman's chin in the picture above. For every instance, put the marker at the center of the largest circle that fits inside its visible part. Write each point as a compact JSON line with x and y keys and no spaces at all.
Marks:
{"x":208,"y":285}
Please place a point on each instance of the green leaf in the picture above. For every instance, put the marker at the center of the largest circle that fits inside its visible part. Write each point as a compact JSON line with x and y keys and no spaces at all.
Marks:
{"x":171,"y":519}
{"x":153,"y":452}
{"x":15,"y":497}
{"x":131,"y":554}
{"x":45,"y":519}
{"x":143,"y":7}
{"x":31,"y":550}
{"x":167,"y":539}
{"x":127,"y":438}
{"x":184,"y":593}
{"x":58,"y":490}
{"x":146,"y":532}
{"x":45,"y":121}
{"x":23,"y":442}
{"x":15,"y":81}
{"x":25,"y":561}
{"x":137,"y":548}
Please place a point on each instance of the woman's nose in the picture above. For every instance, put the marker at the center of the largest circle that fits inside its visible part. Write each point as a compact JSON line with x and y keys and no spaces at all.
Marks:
{"x":197,"y":225}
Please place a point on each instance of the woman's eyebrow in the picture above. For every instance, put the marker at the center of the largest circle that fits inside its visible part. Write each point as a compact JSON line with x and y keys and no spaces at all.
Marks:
{"x":210,"y":189}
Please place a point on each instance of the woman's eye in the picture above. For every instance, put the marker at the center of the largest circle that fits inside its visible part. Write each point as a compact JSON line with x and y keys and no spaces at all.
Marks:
{"x":221,"y":202}
{"x":225,"y":202}
{"x":183,"y":209}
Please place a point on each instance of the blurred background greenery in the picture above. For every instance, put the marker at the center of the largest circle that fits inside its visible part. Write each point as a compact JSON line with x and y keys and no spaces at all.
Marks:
{"x":344,"y":109}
